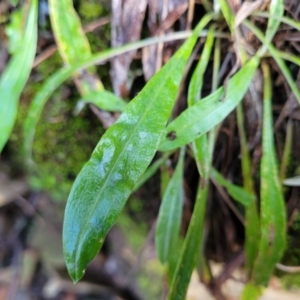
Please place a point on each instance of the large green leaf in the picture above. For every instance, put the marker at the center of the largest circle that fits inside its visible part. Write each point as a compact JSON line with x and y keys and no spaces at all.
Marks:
{"x":55,"y":80}
{"x":207,"y":113}
{"x":170,"y":213}
{"x":273,"y":215}
{"x":121,"y":156}
{"x":17,"y":72}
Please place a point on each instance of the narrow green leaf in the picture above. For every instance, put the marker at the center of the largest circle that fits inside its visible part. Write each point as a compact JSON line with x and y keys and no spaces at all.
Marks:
{"x":105,"y":100}
{"x":191,"y":248}
{"x":200,"y":145}
{"x":273,"y":216}
{"x":170,"y":213}
{"x":238,"y":193}
{"x":14,"y":77}
{"x":277,"y":57}
{"x":281,"y":18}
{"x":276,"y":9}
{"x":196,"y":83}
{"x":252,"y":226}
{"x":207,"y":113}
{"x":122,"y":155}
{"x":228,"y":14}
{"x":286,"y":156}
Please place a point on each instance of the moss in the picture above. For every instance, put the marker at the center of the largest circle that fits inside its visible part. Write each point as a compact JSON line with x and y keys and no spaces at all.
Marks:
{"x":150,"y":273}
{"x":62,"y":145}
{"x":90,"y":9}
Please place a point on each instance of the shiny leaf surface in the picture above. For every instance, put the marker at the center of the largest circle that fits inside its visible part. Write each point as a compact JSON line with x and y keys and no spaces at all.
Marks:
{"x":121,"y":156}
{"x":207,"y":113}
{"x":55,"y":80}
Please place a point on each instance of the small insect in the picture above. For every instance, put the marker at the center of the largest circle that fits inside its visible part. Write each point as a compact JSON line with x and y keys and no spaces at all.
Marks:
{"x":172,"y":135}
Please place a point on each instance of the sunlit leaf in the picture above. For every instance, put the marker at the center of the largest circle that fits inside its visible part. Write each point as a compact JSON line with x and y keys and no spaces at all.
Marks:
{"x":122,"y":155}
{"x":14,"y":77}
{"x":207,"y":113}
{"x":73,"y":45}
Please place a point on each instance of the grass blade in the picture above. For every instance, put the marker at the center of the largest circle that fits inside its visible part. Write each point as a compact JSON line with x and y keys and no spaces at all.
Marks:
{"x":273,"y":216}
{"x":191,"y":248}
{"x":276,"y":9}
{"x":196,"y":83}
{"x":200,"y":145}
{"x":122,"y":155}
{"x":207,"y":113}
{"x":16,"y":74}
{"x":252,"y":226}
{"x":277,"y":57}
{"x":170,"y":213}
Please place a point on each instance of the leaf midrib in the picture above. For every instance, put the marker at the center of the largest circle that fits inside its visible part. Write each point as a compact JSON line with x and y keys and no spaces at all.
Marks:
{"x":112,"y":169}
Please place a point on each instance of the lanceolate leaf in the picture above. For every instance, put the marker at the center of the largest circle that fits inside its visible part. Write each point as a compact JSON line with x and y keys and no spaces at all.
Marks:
{"x":207,"y":113}
{"x":170,"y":212}
{"x":16,"y":74}
{"x":121,"y":156}
{"x":73,"y":45}
{"x":273,"y":216}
